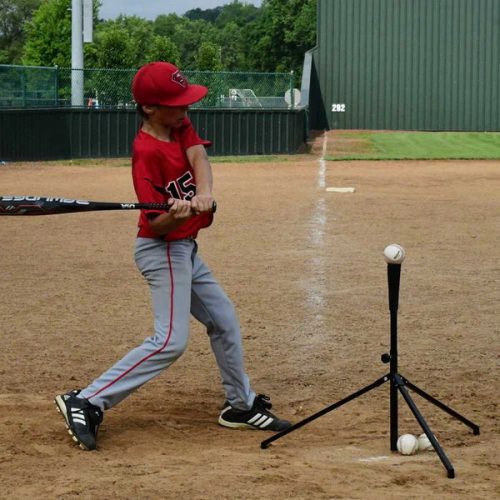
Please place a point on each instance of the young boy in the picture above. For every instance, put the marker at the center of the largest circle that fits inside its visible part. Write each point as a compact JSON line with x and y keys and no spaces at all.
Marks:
{"x":170,"y":165}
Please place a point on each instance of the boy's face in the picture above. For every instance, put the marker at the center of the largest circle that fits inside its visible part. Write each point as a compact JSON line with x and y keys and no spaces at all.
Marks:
{"x":166,"y":116}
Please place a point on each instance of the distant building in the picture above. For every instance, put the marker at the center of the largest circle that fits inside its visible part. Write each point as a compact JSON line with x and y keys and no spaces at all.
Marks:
{"x":406,"y":65}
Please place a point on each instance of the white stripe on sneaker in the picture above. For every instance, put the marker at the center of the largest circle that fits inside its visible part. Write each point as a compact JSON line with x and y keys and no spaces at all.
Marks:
{"x":262,"y":419}
{"x":266,"y":423}
{"x":254,"y":418}
{"x":79,"y":420}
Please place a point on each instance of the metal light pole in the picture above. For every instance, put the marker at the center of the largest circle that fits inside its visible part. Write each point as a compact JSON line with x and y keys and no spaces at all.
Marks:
{"x":76,"y":53}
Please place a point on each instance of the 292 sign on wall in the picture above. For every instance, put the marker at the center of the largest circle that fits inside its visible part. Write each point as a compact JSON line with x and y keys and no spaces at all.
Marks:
{"x":338,"y":108}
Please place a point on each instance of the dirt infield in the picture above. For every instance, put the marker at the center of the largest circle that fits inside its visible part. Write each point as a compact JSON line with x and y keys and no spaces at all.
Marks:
{"x":304,"y":267}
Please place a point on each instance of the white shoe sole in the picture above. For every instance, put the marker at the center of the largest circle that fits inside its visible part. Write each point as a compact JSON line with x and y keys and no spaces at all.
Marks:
{"x":236,"y":425}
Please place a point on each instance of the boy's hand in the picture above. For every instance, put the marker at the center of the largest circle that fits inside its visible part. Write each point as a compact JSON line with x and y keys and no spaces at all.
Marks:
{"x":202,"y":203}
{"x":180,"y":209}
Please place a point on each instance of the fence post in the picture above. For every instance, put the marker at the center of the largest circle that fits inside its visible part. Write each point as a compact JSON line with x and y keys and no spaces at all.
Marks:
{"x":23,"y":86}
{"x":292,"y":97}
{"x":56,"y":84}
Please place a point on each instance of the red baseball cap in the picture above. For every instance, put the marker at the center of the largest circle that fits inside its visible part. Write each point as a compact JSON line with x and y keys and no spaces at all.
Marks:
{"x":163,"y":83}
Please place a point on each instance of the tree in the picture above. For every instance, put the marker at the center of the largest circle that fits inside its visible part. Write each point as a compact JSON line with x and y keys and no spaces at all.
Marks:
{"x":140,"y":34}
{"x":281,"y":34}
{"x":209,"y":15}
{"x":163,"y":49}
{"x":48,"y":35}
{"x":115,"y":49}
{"x":166,"y":25}
{"x":238,"y":13}
{"x":233,"y":47}
{"x":189,"y":36}
{"x":208,"y":57}
{"x":15,"y":15}
{"x":236,"y":36}
{"x":304,"y":27}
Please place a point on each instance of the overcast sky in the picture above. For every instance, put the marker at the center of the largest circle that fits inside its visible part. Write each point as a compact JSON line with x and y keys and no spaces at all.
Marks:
{"x":150,"y":9}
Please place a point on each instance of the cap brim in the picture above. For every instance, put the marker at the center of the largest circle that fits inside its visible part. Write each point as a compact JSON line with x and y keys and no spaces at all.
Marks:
{"x":193,"y":93}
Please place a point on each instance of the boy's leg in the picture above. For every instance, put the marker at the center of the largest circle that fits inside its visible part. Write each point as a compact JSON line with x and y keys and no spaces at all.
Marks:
{"x":167,"y":268}
{"x":211,"y":306}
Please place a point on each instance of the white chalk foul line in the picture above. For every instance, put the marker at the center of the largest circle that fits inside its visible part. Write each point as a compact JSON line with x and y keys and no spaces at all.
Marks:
{"x":373,"y":459}
{"x":322,"y":163}
{"x":322,"y":172}
{"x":315,"y":293}
{"x":340,"y":189}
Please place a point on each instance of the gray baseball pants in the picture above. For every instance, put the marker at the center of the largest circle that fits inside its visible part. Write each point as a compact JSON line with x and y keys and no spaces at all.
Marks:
{"x":181,"y":284}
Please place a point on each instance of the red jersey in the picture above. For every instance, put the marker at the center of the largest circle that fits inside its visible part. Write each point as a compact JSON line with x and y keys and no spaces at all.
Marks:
{"x":161,"y":170}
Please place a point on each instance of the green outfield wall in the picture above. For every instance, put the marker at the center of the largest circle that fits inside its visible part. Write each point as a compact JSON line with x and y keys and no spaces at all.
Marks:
{"x":56,"y":134}
{"x":407,"y":65}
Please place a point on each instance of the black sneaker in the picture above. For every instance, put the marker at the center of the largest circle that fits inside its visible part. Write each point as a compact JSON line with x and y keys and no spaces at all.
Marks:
{"x":258,"y":417}
{"x":82,"y":418}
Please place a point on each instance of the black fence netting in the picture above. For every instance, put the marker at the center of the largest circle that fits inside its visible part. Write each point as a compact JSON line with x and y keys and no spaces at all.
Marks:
{"x":32,"y":86}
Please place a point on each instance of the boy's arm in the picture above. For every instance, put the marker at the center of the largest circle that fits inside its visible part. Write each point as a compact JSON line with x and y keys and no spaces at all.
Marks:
{"x":198,"y":159}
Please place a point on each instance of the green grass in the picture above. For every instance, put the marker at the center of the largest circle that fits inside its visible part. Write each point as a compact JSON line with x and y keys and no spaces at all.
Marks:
{"x":249,"y":159}
{"x":416,"y":146}
{"x":126,"y":162}
{"x":94,"y":162}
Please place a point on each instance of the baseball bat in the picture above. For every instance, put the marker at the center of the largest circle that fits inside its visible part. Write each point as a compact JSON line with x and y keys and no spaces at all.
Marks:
{"x":41,"y":205}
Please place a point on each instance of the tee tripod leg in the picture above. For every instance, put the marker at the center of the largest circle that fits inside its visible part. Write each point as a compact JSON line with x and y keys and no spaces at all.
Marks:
{"x":318,"y":414}
{"x":420,"y":419}
{"x":447,"y":409}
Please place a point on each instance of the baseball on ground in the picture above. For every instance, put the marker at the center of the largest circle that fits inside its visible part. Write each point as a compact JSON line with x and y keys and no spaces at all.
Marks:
{"x":407,"y":444}
{"x":424,"y":444}
{"x":394,"y":254}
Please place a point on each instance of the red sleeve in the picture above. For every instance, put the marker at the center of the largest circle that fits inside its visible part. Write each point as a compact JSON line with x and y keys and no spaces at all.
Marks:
{"x":188,"y":136}
{"x":148,"y":182}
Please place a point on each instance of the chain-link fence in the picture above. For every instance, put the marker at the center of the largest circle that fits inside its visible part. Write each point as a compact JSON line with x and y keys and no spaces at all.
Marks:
{"x":31,"y":86}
